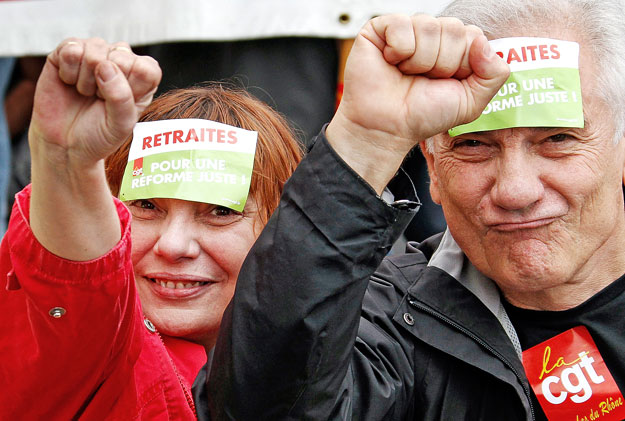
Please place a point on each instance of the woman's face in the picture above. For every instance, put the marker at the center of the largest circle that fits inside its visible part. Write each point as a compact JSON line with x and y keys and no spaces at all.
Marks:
{"x":187,"y":257}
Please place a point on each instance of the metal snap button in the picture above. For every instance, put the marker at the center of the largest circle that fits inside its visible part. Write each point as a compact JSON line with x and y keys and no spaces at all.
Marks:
{"x":149,"y":325}
{"x":57,"y":312}
{"x":406,"y":204}
{"x":408,"y":319}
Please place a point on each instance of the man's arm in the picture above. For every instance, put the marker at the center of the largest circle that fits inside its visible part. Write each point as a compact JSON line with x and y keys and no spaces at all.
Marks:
{"x":286,"y":346}
{"x":407,"y":79}
{"x":291,"y":326}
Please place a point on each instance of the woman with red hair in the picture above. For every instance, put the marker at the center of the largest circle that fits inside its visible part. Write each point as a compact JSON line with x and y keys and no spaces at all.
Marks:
{"x":112,"y":304}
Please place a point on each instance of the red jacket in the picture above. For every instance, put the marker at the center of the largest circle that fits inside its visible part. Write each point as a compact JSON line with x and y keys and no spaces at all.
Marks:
{"x":98,"y":358}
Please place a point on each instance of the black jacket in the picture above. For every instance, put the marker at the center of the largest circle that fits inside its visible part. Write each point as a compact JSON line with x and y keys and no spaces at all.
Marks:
{"x":313,"y":333}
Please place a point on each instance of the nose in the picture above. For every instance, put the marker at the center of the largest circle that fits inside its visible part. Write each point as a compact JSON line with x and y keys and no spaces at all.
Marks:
{"x":177,"y":239}
{"x":518,"y":184}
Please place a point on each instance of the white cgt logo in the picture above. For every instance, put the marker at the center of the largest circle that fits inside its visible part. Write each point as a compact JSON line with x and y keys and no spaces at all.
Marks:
{"x":574,"y":381}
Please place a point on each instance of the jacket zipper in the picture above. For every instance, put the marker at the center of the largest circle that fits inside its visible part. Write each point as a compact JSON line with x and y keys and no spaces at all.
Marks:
{"x":482,"y":343}
{"x":187,"y":395}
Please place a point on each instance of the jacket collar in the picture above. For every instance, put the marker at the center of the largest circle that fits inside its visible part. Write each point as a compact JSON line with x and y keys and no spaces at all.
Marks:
{"x":453,"y":291}
{"x":449,"y":258}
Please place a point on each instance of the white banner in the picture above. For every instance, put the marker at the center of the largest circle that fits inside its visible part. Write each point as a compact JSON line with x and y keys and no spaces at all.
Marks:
{"x":35,"y":27}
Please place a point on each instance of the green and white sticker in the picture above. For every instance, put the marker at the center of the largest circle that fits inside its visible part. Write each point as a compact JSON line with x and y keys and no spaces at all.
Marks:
{"x":190,"y":159}
{"x":543,"y":89}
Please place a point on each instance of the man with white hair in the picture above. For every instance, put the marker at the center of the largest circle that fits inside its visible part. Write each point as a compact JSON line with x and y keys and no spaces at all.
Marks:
{"x":516,"y":311}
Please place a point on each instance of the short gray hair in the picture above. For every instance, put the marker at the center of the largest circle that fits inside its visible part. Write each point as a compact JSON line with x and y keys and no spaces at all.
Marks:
{"x":599,"y":23}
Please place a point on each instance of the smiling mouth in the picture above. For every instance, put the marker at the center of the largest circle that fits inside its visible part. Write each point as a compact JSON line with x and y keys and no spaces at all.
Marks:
{"x":177,"y":285}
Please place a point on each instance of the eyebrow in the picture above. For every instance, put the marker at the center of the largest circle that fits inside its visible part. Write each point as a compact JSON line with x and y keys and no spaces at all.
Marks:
{"x":538,"y":129}
{"x":547,"y":129}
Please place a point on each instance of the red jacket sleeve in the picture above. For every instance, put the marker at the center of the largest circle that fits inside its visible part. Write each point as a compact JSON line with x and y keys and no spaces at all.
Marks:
{"x":68,"y":327}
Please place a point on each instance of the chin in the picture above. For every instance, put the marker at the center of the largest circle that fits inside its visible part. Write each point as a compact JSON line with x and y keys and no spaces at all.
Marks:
{"x":526,"y":276}
{"x":524,"y":269}
{"x":186,"y":327}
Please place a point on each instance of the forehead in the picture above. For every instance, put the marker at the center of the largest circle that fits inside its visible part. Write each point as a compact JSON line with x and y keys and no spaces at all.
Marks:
{"x":599,"y":128}
{"x":596,"y":111}
{"x":250,"y":204}
{"x":587,"y":63}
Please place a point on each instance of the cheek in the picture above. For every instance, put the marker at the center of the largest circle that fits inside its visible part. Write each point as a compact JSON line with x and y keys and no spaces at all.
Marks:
{"x":599,"y":198}
{"x":462,"y":186}
{"x":143,"y":240}
{"x":230,"y":249}
{"x":586,"y":183}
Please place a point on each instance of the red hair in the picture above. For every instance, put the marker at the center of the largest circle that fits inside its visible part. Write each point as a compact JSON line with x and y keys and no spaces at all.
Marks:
{"x":277,"y":150}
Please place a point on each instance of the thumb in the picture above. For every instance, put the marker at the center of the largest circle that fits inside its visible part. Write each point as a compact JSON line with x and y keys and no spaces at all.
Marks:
{"x":489,"y":73}
{"x":121,"y":113}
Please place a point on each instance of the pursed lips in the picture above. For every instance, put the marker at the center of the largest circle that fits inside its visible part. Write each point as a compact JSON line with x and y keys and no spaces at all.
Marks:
{"x":509,"y":226}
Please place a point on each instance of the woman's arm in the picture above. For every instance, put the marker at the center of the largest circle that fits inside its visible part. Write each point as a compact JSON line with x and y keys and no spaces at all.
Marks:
{"x":87,"y":100}
{"x":70,"y":338}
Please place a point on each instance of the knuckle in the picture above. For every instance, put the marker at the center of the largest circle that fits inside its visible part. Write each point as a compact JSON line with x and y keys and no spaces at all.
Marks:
{"x":121,"y":44}
{"x":392,"y":19}
{"x":142,"y":68}
{"x":402,"y":19}
{"x":85,"y":88}
{"x":97,"y":41}
{"x":445,"y":70}
{"x":69,"y":51}
{"x":146,"y":68}
{"x":423,"y":18}
{"x":70,"y":41}
{"x":70,"y":54}
{"x":151,"y":61}
{"x":417,"y":65}
{"x":454,"y":28}
{"x":451,"y":21}
{"x":91,"y":60}
{"x":474,"y":30}
{"x":427,"y":25}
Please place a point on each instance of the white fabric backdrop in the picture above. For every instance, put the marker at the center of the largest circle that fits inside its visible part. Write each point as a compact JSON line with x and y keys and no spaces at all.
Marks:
{"x":35,"y":27}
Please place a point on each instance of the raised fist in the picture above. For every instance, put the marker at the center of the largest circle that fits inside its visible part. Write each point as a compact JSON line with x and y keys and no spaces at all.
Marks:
{"x":89,"y":97}
{"x":408,"y":78}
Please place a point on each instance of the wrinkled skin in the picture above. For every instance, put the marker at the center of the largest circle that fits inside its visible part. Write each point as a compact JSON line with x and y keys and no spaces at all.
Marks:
{"x":538,"y":210}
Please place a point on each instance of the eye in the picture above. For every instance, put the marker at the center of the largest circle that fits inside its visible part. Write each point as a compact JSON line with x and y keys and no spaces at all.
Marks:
{"x":142,"y":208}
{"x":145,"y":204}
{"x":471,"y":149}
{"x":470,"y":143}
{"x":221,"y":215}
{"x":560,"y":137}
{"x":223,"y":211}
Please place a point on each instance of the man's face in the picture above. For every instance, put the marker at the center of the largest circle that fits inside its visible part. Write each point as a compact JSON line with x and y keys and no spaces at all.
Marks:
{"x":537,"y":208}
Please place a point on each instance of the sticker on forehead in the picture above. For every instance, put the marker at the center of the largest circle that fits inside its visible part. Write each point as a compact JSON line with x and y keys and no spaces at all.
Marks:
{"x":190,"y":159}
{"x":543,"y":89}
{"x":570,"y":379}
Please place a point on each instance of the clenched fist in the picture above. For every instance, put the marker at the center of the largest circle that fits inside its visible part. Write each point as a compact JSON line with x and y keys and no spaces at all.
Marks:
{"x":88,"y":98}
{"x":408,"y":78}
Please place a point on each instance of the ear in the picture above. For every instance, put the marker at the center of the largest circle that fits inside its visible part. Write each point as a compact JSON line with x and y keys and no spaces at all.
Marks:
{"x":429,"y":158}
{"x":623,"y":173}
{"x":623,"y":186}
{"x":621,"y":144}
